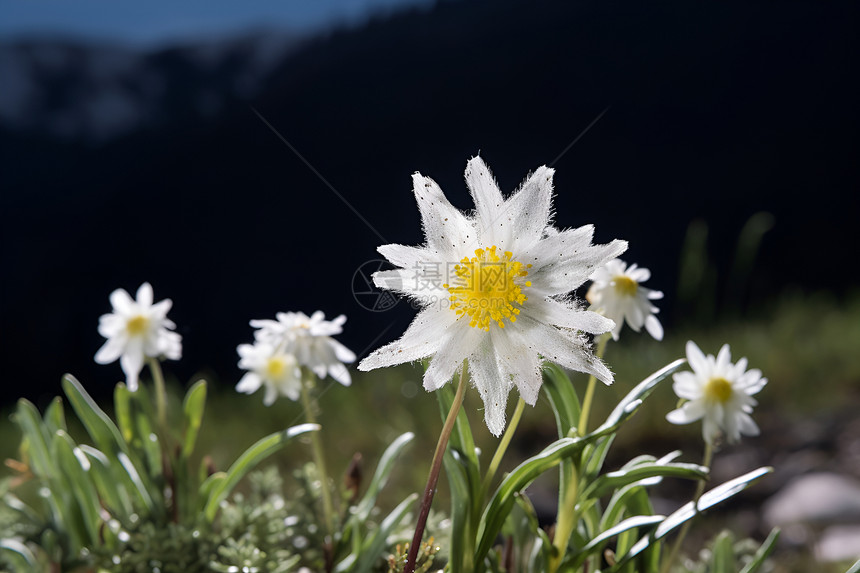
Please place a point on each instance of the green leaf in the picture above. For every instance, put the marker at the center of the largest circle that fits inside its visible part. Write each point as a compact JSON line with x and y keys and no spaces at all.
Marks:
{"x":122,"y":408}
{"x":631,"y":523}
{"x":854,"y":568}
{"x":461,"y":541}
{"x":19,"y":555}
{"x":193,"y":406}
{"x":55,"y":418}
{"x":767,"y":548}
{"x":115,"y":497}
{"x":248,"y":461}
{"x":75,"y":466}
{"x":380,"y":477}
{"x":36,"y":436}
{"x":503,"y":499}
{"x":562,"y":398}
{"x":723,"y":557}
{"x":613,"y":480}
{"x":688,"y":511}
{"x":373,"y":546}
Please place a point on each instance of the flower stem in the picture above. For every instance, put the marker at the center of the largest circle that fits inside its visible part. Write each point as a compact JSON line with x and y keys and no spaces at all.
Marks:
{"x":309,"y":405}
{"x":436,"y":466}
{"x":566,"y":521}
{"x":160,"y":393}
{"x":589,"y":392}
{"x":700,"y":488}
{"x":502,"y":448}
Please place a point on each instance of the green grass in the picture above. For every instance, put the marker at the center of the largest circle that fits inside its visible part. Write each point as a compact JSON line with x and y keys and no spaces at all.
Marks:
{"x":805,"y":345}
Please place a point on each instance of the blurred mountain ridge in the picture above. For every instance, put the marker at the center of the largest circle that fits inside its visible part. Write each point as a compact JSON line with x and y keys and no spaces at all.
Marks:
{"x":716,"y":111}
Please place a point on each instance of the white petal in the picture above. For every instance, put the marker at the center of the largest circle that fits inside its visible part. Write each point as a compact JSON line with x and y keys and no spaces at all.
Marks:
{"x":341,"y":352}
{"x":686,"y":385}
{"x":446,"y":229}
{"x":340,"y":373}
{"x":654,"y":328}
{"x":111,"y":350}
{"x":488,"y":201}
{"x":652,"y":294}
{"x":249,"y":383}
{"x":530,"y":209}
{"x":144,"y":295}
{"x":122,"y":302}
{"x":271,"y":395}
{"x":724,"y":358}
{"x":449,"y":358}
{"x":423,"y":337}
{"x":558,"y":246}
{"x":697,"y":359}
{"x":565,"y":348}
{"x":491,"y":386}
{"x":639,"y":275}
{"x":518,"y":365}
{"x":132,"y":363}
{"x":689,"y":412}
{"x":747,"y":426}
{"x":407,"y":257}
{"x":159,"y":311}
{"x":567,"y":316}
{"x":572,"y":268}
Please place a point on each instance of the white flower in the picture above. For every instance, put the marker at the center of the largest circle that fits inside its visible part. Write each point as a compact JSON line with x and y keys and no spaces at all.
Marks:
{"x":719,"y":392}
{"x":136,"y":330}
{"x":493,"y":286}
{"x":617,"y":293}
{"x":308,"y":338}
{"x":269,"y":366}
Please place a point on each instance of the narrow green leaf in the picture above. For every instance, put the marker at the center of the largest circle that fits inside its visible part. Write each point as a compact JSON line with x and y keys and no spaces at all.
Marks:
{"x":380,"y":477}
{"x":767,"y":548}
{"x":248,"y":461}
{"x":854,"y":568}
{"x":36,"y":437}
{"x":122,"y":408}
{"x":193,"y":406}
{"x":723,"y":556}
{"x":688,"y":511}
{"x":461,"y":541}
{"x":75,"y":466}
{"x":19,"y":554}
{"x":562,"y":398}
{"x":630,"y":523}
{"x":613,"y":480}
{"x":55,"y":418}
{"x":373,"y":546}
{"x":115,"y":497}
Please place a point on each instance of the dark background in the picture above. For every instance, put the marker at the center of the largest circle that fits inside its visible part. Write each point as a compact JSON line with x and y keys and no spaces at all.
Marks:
{"x":123,"y":165}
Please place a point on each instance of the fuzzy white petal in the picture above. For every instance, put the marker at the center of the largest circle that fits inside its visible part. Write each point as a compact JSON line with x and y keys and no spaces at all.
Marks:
{"x":423,"y":337}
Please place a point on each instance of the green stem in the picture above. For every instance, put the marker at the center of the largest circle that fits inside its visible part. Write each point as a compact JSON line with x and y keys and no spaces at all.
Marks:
{"x":160,"y":394}
{"x":566,"y":521}
{"x":316,"y":445}
{"x":589,"y":392}
{"x":700,"y":488}
{"x":433,"y":478}
{"x":502,"y":448}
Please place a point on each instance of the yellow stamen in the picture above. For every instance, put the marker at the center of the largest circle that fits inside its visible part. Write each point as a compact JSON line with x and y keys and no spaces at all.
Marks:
{"x":625,"y":285}
{"x":487,"y":287}
{"x":137,"y":325}
{"x":718,"y":390}
{"x":275,"y":367}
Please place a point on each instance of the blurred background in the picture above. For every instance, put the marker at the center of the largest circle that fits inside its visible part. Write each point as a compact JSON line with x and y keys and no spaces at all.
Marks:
{"x":248,"y":158}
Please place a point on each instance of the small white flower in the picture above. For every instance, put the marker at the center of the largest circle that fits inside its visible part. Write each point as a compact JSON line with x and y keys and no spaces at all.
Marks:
{"x":136,"y":330}
{"x":308,"y":338}
{"x":269,"y":366}
{"x":718,"y":392}
{"x":494,"y":290}
{"x":617,"y":293}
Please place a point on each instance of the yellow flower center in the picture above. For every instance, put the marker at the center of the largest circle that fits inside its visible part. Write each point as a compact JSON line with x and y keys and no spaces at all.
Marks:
{"x":625,"y":286}
{"x":486,"y":288}
{"x":275,"y":367}
{"x":137,"y":325}
{"x":718,"y":390}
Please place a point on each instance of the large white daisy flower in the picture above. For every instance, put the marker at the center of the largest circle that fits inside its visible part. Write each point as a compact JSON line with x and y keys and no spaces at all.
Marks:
{"x":136,"y":330}
{"x":718,"y":392}
{"x":271,"y":367}
{"x":494,"y":288}
{"x":309,"y":339}
{"x":617,"y":293}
